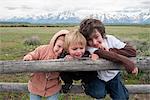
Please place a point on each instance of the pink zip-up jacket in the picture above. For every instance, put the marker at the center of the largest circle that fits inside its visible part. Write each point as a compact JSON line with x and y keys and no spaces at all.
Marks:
{"x":45,"y":84}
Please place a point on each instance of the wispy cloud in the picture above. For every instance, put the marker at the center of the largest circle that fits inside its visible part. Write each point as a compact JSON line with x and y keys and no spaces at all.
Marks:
{"x":146,"y":2}
{"x":128,"y":11}
{"x":11,"y":8}
{"x":26,"y":7}
{"x":23,"y":7}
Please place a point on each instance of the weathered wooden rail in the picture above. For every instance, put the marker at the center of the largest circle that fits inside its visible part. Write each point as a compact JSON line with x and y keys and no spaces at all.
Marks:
{"x":62,"y":65}
{"x":22,"y":87}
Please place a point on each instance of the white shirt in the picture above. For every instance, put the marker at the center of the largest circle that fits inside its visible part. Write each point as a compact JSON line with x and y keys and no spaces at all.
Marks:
{"x":110,"y":42}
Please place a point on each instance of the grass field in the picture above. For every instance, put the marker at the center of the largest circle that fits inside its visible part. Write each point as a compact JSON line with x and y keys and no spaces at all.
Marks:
{"x":12,"y":48}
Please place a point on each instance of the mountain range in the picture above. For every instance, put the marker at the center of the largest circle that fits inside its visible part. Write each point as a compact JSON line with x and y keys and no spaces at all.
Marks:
{"x":75,"y":17}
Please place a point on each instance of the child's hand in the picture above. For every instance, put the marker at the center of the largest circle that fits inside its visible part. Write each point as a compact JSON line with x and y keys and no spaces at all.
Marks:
{"x":27,"y":58}
{"x":68,"y":57}
{"x":135,"y":71}
{"x":94,"y":56}
{"x":104,"y":47}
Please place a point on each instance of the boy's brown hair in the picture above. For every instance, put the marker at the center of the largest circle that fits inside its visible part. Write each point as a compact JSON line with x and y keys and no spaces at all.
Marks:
{"x":73,"y":38}
{"x":88,"y":26}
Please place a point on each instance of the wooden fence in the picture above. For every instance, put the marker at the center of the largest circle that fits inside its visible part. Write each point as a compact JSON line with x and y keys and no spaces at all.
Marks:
{"x":9,"y":67}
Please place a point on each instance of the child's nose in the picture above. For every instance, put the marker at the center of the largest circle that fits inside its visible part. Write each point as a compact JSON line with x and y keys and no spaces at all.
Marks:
{"x":94,"y":41}
{"x":78,"y":52}
{"x":60,"y":50}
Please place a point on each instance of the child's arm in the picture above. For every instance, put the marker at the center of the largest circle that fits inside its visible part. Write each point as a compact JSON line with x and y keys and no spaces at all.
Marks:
{"x":67,"y":78}
{"x":127,"y":51}
{"x":112,"y":56}
{"x":34,"y":55}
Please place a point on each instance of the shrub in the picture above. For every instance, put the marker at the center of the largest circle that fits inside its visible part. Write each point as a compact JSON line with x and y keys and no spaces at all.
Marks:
{"x":34,"y":40}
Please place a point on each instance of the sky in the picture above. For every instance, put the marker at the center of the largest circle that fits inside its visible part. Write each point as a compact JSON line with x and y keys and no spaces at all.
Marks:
{"x":10,"y":8}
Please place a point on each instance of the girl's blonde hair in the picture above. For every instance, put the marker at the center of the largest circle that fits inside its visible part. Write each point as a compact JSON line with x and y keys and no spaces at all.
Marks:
{"x":73,"y":38}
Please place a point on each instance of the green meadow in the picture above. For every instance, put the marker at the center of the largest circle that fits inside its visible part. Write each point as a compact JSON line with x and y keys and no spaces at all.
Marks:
{"x":12,"y":47}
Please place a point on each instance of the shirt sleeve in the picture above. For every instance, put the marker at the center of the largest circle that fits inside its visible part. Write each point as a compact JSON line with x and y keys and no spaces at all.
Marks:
{"x":114,"y":57}
{"x":127,"y":51}
{"x":35,"y":54}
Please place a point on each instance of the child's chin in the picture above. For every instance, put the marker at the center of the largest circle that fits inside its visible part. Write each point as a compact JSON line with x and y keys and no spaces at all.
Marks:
{"x":56,"y":54}
{"x":78,"y":57}
{"x":95,"y":46}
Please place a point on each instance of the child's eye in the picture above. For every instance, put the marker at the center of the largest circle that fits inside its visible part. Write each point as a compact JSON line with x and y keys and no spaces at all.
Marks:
{"x":74,"y":49}
{"x":96,"y":36}
{"x":59,"y":46}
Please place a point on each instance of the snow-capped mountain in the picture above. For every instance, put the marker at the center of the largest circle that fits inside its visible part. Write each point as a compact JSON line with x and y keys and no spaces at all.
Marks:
{"x":76,"y":17}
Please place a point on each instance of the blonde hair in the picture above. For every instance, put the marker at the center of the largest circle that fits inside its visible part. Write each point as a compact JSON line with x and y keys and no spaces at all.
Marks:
{"x":73,"y":38}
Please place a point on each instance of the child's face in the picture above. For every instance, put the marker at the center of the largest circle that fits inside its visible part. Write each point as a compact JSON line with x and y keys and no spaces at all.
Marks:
{"x":76,"y":51}
{"x":58,"y":47}
{"x":95,"y":39}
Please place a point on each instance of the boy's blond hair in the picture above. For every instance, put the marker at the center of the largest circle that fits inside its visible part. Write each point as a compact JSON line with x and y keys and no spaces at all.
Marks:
{"x":73,"y":38}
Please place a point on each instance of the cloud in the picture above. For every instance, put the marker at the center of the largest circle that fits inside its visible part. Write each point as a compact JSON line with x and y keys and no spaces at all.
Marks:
{"x":11,"y":8}
{"x":129,"y":11}
{"x":26,"y":7}
{"x":146,"y":2}
{"x":141,"y":4}
{"x":23,"y":7}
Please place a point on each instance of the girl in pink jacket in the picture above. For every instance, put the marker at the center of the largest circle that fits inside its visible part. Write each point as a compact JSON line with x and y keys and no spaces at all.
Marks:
{"x":46,"y":84}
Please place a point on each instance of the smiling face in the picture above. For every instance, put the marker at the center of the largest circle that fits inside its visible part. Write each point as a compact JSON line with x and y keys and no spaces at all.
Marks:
{"x":76,"y":50}
{"x":95,"y":39}
{"x":94,"y":32}
{"x":75,"y":44}
{"x":59,"y":45}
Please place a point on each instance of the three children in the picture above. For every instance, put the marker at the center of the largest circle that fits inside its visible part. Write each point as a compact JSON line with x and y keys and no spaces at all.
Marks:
{"x":91,"y":39}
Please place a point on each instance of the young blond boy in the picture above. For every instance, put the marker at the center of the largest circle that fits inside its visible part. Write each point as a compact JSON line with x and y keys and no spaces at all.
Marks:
{"x":75,"y":46}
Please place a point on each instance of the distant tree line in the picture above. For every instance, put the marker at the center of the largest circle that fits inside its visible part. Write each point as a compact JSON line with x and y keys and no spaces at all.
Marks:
{"x":27,"y":24}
